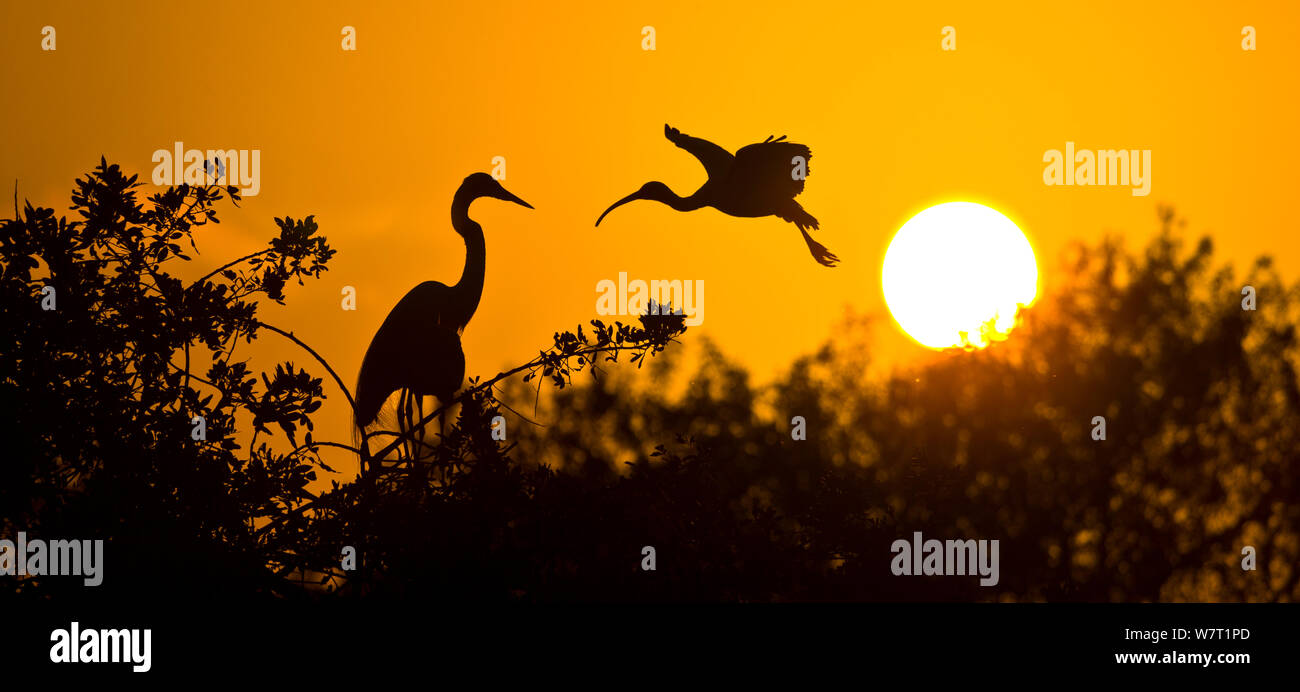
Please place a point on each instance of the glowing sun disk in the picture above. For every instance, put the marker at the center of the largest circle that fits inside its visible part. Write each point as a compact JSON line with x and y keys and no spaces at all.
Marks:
{"x":956,"y":273}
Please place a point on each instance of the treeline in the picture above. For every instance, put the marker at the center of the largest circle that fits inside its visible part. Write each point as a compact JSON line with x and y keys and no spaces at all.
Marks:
{"x":124,"y":395}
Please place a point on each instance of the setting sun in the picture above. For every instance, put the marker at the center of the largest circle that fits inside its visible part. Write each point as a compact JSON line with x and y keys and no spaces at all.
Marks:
{"x":955,"y":271}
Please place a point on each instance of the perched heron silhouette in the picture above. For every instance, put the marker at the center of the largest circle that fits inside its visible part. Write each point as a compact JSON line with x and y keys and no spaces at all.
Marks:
{"x":417,"y":348}
{"x":760,"y":180}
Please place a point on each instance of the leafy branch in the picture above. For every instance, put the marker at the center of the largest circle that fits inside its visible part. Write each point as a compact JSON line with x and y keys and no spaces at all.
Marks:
{"x":572,"y":352}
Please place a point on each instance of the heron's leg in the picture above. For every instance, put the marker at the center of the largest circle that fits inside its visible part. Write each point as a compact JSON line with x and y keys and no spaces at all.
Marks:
{"x":427,"y":450}
{"x":401,"y":423}
{"x":417,"y":438}
{"x":419,"y":416}
{"x":442,"y":436}
{"x":824,"y":257}
{"x":412,"y":442}
{"x":404,"y":420}
{"x":436,"y":403}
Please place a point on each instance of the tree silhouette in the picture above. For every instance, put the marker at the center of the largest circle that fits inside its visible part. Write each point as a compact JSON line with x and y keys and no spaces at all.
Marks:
{"x":101,"y":381}
{"x":114,"y":434}
{"x":1201,"y":402}
{"x":104,"y":397}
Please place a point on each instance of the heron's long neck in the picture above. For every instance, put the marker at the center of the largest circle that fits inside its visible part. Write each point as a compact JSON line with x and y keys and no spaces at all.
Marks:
{"x":470,"y":286}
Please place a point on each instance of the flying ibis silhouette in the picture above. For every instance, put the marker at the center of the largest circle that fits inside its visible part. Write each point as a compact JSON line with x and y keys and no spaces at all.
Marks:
{"x":759,"y":180}
{"x":417,"y":348}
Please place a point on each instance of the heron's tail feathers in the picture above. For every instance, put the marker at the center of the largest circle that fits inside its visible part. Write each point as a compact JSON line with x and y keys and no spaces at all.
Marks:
{"x":370,"y":393}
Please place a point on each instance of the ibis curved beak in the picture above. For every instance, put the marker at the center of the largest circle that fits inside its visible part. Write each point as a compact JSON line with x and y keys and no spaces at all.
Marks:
{"x":630,"y":198}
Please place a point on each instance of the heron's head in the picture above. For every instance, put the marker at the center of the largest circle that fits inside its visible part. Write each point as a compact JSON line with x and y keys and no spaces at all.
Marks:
{"x":653,"y":190}
{"x":483,"y":185}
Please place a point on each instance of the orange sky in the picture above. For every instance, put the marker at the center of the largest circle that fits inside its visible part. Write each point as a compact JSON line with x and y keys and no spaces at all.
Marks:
{"x":374,"y":142}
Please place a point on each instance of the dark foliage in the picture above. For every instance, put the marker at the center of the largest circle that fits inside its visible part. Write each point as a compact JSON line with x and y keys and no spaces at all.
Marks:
{"x":99,"y":394}
{"x":1200,"y":460}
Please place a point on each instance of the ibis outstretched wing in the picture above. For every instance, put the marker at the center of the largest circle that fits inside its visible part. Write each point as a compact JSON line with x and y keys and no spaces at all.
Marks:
{"x":716,"y":160}
{"x":774,"y":168}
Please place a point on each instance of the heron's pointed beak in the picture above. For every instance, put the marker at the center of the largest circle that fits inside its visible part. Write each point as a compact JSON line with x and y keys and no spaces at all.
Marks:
{"x":510,"y":197}
{"x":630,"y":198}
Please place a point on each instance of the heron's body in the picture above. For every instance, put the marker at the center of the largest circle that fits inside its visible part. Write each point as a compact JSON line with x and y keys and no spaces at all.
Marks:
{"x":417,"y":348}
{"x":758,"y":180}
{"x":430,"y":348}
